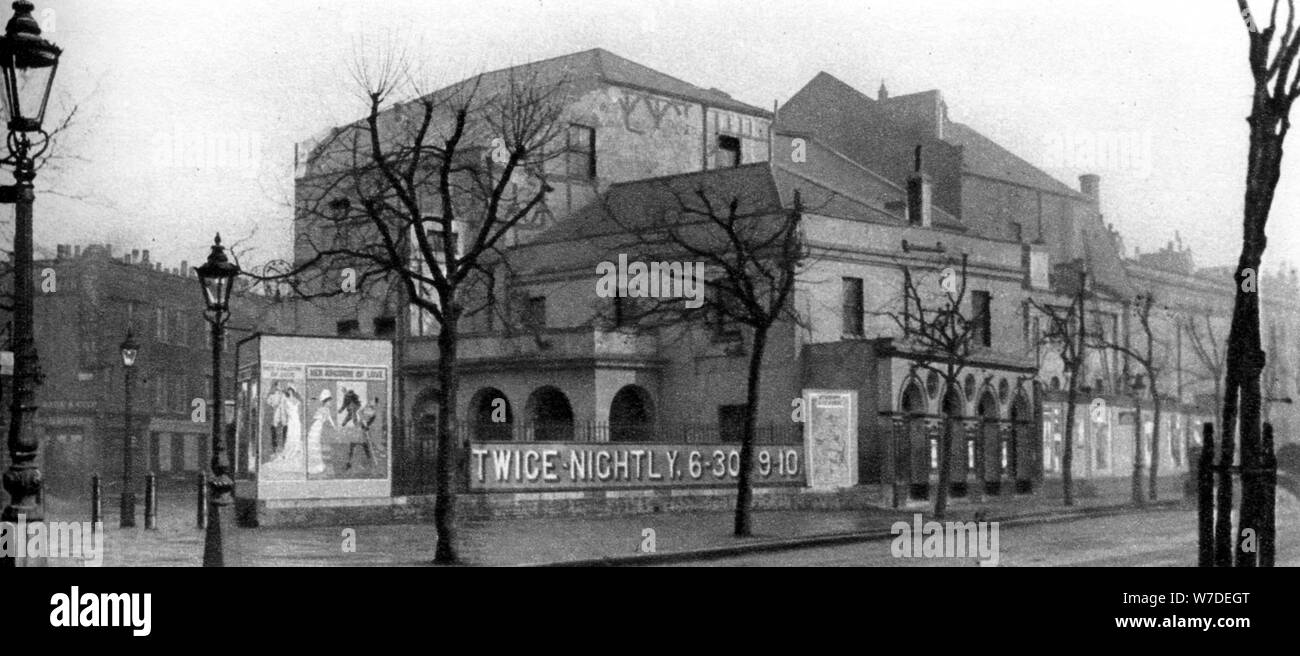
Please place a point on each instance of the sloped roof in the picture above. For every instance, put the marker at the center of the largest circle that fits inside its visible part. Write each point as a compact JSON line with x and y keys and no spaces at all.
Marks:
{"x":603,"y":65}
{"x":983,"y":156}
{"x":640,"y":203}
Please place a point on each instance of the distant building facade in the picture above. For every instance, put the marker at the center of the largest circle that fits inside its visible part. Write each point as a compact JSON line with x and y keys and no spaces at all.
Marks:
{"x":86,"y":300}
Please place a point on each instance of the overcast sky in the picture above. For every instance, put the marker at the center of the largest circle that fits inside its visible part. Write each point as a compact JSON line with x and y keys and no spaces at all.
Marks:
{"x":1166,"y":80}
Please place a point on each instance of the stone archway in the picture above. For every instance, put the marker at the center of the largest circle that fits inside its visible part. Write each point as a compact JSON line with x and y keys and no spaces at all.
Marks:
{"x":631,"y":415}
{"x":550,"y":415}
{"x":955,"y":431}
{"x":1025,"y":442}
{"x":913,"y":454}
{"x":991,"y":449}
{"x":491,"y":418}
{"x":418,"y":468}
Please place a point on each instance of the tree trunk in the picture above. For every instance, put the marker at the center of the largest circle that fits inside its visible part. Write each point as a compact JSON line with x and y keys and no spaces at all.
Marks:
{"x":1155,"y":441}
{"x":1067,"y":458}
{"x":945,"y":464}
{"x":1138,"y":498}
{"x":1245,"y":354}
{"x":444,"y":510}
{"x":744,"y":485}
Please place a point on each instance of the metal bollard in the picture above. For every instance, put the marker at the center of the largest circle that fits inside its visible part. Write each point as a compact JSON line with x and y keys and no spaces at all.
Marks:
{"x":202,"y":509}
{"x":96,"y":503}
{"x":150,"y":502}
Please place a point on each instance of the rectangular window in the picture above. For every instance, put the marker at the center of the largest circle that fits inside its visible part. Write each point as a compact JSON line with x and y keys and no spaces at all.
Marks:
{"x":436,"y":242}
{"x":731,"y":422}
{"x":159,"y":384}
{"x":385,"y":326}
{"x":907,"y":302}
{"x":581,"y":152}
{"x":347,"y":327}
{"x":981,"y":314}
{"x":534,"y":314}
{"x":851,"y":304}
{"x":160,"y":325}
{"x":728,"y":151}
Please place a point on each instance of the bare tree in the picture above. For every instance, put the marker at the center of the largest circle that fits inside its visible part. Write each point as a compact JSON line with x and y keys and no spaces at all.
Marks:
{"x":1208,"y":347}
{"x":1067,"y":332}
{"x":939,"y":334}
{"x":1276,"y":80}
{"x":1151,"y":360}
{"x":752,"y":255}
{"x":415,"y":201}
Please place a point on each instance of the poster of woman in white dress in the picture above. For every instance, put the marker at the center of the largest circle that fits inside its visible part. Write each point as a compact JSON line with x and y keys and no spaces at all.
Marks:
{"x":282,"y":445}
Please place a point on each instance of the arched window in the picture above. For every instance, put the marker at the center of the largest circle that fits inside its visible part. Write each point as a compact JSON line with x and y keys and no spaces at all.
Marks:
{"x":491,"y":417}
{"x":631,"y":415}
{"x":550,"y":415}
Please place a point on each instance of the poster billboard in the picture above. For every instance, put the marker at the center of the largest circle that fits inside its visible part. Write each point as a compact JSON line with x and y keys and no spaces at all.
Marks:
{"x":314,"y":415}
{"x":831,"y":438}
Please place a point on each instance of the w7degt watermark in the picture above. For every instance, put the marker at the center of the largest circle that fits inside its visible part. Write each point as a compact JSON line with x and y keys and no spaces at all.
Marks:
{"x":946,"y":540}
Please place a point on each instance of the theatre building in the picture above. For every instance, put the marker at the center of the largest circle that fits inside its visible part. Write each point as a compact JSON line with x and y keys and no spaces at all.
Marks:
{"x":569,"y":401}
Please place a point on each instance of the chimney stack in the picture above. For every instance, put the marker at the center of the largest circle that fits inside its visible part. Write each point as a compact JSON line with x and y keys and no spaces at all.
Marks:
{"x":918,"y":195}
{"x":1090,"y":185}
{"x":185,"y":268}
{"x":144,"y":256}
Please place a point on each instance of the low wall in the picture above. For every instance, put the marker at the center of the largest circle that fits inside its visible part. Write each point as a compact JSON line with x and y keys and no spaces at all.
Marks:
{"x":590,"y":503}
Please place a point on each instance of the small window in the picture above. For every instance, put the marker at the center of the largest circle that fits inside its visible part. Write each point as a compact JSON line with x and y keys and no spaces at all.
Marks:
{"x":852,"y":311}
{"x":728,"y":151}
{"x":435,"y":242}
{"x":385,"y":326}
{"x":581,"y":150}
{"x":160,"y":324}
{"x":534,"y":314}
{"x":347,"y":327}
{"x":983,"y":318}
{"x":731,"y":423}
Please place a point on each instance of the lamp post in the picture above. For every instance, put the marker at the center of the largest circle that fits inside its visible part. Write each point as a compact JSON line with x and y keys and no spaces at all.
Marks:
{"x":129,"y":350}
{"x":29,"y":63}
{"x":1138,"y":383}
{"x":217,"y":276}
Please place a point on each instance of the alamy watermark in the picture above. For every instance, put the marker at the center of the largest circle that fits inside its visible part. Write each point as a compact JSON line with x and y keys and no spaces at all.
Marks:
{"x":72,"y":540}
{"x":238,"y":152}
{"x":1099,"y":151}
{"x":651,"y":280}
{"x":946,"y":540}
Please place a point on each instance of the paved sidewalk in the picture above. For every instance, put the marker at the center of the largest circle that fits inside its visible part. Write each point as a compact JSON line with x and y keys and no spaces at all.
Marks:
{"x":518,"y":541}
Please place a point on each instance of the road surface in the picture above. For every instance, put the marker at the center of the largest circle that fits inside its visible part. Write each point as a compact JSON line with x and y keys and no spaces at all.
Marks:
{"x":1158,"y":538}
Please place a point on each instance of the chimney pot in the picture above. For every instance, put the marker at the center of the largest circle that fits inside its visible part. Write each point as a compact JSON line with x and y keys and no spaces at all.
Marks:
{"x":185,"y":268}
{"x":1090,"y":185}
{"x":144,"y":256}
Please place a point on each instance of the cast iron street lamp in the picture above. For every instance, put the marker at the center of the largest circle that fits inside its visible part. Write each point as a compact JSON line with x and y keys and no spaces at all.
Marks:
{"x":1138,"y":384}
{"x":217,"y":276}
{"x":129,"y":350}
{"x":28,"y":62}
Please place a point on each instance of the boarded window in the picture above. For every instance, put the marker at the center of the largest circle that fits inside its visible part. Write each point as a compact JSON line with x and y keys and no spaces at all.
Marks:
{"x":852,"y":306}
